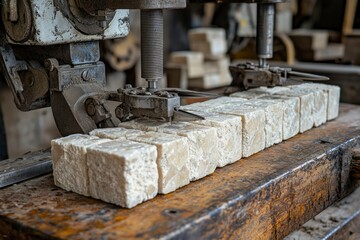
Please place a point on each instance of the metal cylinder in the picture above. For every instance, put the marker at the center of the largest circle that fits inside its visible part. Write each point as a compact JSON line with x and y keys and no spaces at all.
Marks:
{"x":152,"y":45}
{"x":265,"y":31}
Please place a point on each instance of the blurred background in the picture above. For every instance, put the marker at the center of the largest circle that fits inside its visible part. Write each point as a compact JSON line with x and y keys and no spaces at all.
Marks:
{"x":317,"y":36}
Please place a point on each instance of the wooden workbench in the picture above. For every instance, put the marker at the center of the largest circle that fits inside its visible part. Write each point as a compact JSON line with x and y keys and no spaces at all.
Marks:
{"x":266,"y":196}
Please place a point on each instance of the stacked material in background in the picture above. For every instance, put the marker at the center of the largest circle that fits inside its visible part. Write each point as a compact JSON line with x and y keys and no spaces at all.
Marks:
{"x":139,"y":159}
{"x":206,"y":64}
{"x":313,"y":45}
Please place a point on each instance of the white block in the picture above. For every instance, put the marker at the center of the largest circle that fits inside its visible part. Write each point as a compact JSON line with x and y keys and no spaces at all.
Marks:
{"x":69,"y":162}
{"x":218,"y":66}
{"x":213,"y":103}
{"x":208,"y":81}
{"x":115,"y":133}
{"x":269,"y":90}
{"x":210,"y":41}
{"x":213,"y":50}
{"x":333,"y":98}
{"x":203,"y":142}
{"x":253,"y":125}
{"x":172,"y":160}
{"x":193,"y":61}
{"x":123,"y":172}
{"x":248,"y":95}
{"x":320,"y":103}
{"x":291,"y":117}
{"x":229,"y":132}
{"x":203,"y":149}
{"x":307,"y":101}
{"x":206,"y":34}
{"x":142,"y":124}
{"x":274,"y":113}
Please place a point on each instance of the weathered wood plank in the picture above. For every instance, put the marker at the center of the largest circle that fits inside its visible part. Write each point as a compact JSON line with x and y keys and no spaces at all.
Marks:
{"x":339,"y":221}
{"x":266,"y":196}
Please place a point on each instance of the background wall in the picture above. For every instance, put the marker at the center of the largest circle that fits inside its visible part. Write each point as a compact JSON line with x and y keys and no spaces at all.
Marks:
{"x":26,"y":131}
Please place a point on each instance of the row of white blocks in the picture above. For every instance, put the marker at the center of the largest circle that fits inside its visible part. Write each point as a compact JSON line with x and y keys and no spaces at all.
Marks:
{"x":134,"y":162}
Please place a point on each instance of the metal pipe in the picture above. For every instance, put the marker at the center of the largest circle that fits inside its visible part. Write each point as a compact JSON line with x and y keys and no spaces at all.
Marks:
{"x":265,"y":32}
{"x":152,"y":46}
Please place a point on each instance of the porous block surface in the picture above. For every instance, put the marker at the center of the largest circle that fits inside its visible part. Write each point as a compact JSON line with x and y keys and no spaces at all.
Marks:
{"x":333,"y":93}
{"x":123,"y":172}
{"x":229,"y":132}
{"x":115,"y":133}
{"x":173,"y":159}
{"x":307,"y":101}
{"x":70,"y":162}
{"x":291,"y":117}
{"x":203,"y":143}
{"x":253,"y":125}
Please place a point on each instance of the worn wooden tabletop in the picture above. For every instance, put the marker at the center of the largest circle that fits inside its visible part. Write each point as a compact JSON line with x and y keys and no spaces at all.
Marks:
{"x":266,"y":196}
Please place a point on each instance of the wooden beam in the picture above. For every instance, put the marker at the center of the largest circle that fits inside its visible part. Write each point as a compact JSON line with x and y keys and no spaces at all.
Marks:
{"x":266,"y":196}
{"x":349,"y":16}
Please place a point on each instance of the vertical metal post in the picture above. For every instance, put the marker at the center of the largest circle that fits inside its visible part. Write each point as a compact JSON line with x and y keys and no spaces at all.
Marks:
{"x":265,"y":32}
{"x":152,"y":47}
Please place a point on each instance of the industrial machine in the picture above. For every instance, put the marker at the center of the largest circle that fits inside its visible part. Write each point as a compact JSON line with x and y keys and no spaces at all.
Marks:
{"x":50,"y":57}
{"x":49,"y":54}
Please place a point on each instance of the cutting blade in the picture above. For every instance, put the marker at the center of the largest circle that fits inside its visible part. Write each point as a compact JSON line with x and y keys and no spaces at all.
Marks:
{"x":191,"y":94}
{"x":183,"y":116}
{"x":307,"y":76}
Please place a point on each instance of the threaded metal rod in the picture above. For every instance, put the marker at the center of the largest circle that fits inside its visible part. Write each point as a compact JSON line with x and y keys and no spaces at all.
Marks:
{"x":152,"y":46}
{"x":265,"y":32}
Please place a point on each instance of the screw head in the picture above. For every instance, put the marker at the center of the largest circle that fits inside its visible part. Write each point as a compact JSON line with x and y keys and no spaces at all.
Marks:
{"x":50,"y":64}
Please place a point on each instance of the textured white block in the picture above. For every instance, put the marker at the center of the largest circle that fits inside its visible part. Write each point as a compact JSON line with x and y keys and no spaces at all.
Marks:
{"x":320,"y":103}
{"x":69,"y":162}
{"x":255,"y":93}
{"x":291,"y":117}
{"x":249,"y":95}
{"x":269,"y":90}
{"x":213,"y":103}
{"x":123,"y":172}
{"x":208,"y":81}
{"x":206,"y":34}
{"x":306,"y":107}
{"x":215,"y":49}
{"x":229,"y":132}
{"x":333,"y":98}
{"x":143,"y":124}
{"x":219,"y":66}
{"x":115,"y":133}
{"x":253,"y":125}
{"x":193,"y":61}
{"x":203,"y":143}
{"x":210,"y":41}
{"x":172,"y":159}
{"x":274,"y":112}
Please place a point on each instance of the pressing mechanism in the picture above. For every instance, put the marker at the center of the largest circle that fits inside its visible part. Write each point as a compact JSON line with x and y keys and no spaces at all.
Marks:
{"x":50,"y":56}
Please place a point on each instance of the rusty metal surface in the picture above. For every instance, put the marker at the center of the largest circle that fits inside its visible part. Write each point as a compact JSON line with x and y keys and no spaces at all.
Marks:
{"x":31,"y":165}
{"x":266,"y":196}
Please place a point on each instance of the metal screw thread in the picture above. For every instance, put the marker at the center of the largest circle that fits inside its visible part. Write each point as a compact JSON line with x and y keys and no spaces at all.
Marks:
{"x":152,"y":45}
{"x":265,"y":31}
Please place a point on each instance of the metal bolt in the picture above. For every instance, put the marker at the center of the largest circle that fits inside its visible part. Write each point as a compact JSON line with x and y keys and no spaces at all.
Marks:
{"x":86,"y":76}
{"x":50,"y":64}
{"x":90,"y":107}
